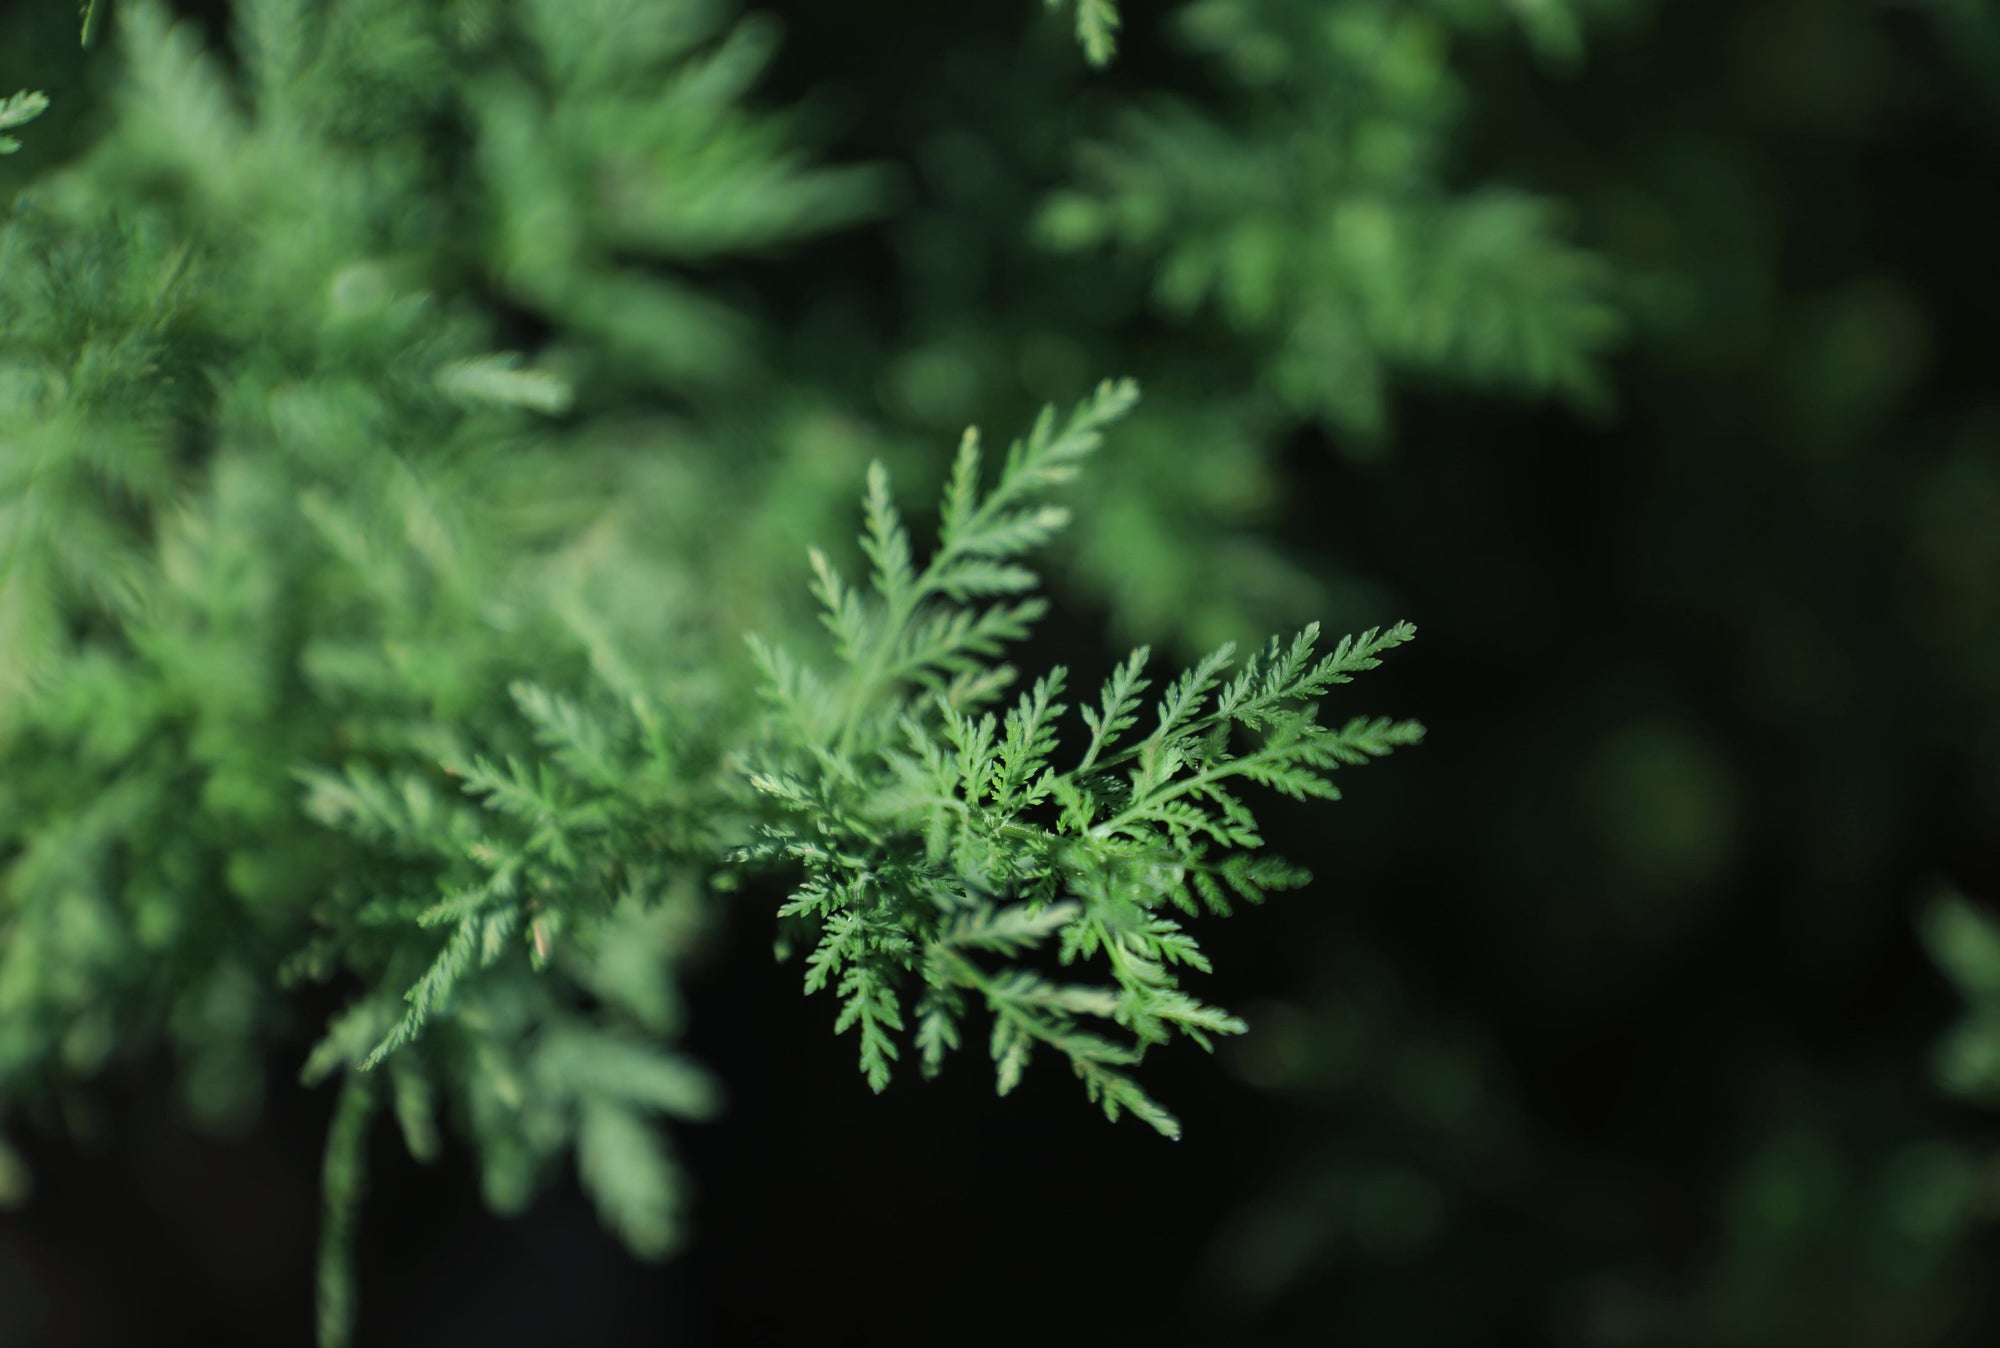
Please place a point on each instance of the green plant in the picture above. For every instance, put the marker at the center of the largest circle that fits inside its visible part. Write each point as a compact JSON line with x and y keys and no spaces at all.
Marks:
{"x":1965,"y":943}
{"x":1281,"y":218}
{"x":18,"y":110}
{"x":935,"y":834}
{"x":1342,"y":258}
{"x":387,"y":477}
{"x":1096,"y":27}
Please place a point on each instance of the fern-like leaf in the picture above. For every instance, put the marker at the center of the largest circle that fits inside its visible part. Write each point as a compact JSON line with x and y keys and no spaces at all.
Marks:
{"x":943,"y":847}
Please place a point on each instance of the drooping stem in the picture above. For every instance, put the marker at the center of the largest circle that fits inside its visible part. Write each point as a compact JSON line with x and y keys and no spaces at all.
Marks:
{"x":343,"y":1179}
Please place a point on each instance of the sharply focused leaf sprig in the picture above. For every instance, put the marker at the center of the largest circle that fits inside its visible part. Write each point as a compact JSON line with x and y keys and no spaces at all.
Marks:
{"x":943,"y":843}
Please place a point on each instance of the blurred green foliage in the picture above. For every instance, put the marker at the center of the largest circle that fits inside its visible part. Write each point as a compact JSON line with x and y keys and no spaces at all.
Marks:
{"x":306,"y":556}
{"x":1314,"y":220}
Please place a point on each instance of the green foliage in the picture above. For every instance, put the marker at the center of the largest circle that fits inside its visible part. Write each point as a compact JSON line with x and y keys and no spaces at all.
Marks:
{"x":1340,"y":255}
{"x":1284,"y":231}
{"x":405,"y":409}
{"x":938,"y":838}
{"x":1965,"y":942}
{"x":344,"y":641}
{"x":319,"y":655}
{"x":1096,"y":27}
{"x":343,"y":1179}
{"x":18,"y":110}
{"x":389,"y":466}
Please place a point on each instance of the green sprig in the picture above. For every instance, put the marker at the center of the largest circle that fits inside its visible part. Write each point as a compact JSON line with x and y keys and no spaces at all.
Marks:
{"x":944,"y":850}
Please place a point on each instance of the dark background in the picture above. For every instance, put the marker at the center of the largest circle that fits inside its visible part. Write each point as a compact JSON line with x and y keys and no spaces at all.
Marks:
{"x":1606,"y":1022}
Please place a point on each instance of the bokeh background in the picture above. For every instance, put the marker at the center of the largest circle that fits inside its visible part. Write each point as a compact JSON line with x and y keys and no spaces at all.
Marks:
{"x":1608,"y":1022}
